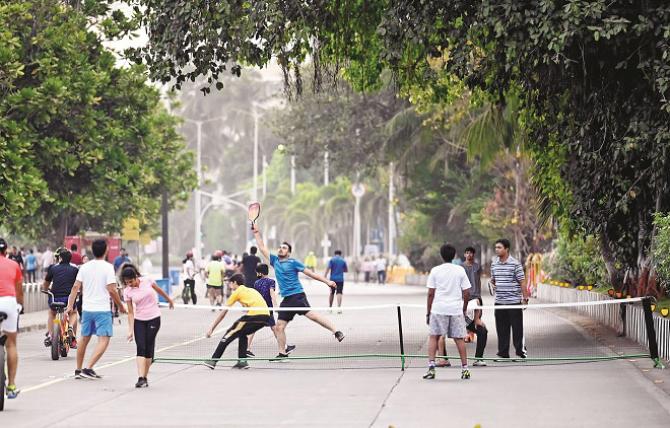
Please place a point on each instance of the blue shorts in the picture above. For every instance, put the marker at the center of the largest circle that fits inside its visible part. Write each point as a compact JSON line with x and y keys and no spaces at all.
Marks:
{"x":58,"y":299}
{"x":96,"y":323}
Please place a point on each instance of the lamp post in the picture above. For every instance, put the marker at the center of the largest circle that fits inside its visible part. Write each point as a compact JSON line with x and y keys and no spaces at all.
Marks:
{"x":358,"y":190}
{"x":392,"y":228}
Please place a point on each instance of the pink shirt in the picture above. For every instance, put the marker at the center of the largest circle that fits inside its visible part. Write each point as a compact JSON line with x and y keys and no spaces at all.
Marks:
{"x":10,"y":274}
{"x":144,"y":298}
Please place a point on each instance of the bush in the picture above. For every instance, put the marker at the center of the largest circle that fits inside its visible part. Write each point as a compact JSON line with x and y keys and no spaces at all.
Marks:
{"x":577,"y":259}
{"x":661,"y":250}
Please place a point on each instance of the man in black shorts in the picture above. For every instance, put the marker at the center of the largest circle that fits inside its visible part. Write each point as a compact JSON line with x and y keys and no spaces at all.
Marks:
{"x":290,"y":288}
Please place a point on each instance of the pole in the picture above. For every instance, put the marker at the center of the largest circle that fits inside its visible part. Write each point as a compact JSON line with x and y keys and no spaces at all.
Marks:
{"x":164,"y":233}
{"x":254,"y":193}
{"x":198,"y":200}
{"x":402,"y":341}
{"x":391,"y":239}
{"x":357,"y":228}
{"x":651,"y":333}
{"x":292,"y":174}
{"x":326,"y":168}
{"x":265,"y":177}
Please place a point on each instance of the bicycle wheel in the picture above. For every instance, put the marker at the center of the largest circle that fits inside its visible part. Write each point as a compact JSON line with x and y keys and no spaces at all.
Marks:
{"x":2,"y":372}
{"x":185,"y":294}
{"x":55,"y":341}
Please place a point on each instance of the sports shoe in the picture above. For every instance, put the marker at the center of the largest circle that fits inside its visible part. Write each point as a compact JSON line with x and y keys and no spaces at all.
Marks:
{"x":12,"y":392}
{"x":210,"y":364}
{"x":250,"y":354}
{"x":90,"y":374}
{"x":73,"y":343}
{"x":289,"y":348}
{"x":241,"y":365}
{"x":141,"y":382}
{"x":77,"y":374}
{"x":279,"y":357}
{"x":47,"y":340}
{"x":521,"y":355}
{"x":339,"y":336}
{"x":430,"y":374}
{"x":479,"y":363}
{"x":465,"y":374}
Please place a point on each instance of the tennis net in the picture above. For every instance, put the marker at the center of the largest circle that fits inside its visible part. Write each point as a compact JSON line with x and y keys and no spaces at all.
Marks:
{"x":396,"y":335}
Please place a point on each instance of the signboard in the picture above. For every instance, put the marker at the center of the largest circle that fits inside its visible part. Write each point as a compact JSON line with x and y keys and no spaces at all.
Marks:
{"x":131,"y":230}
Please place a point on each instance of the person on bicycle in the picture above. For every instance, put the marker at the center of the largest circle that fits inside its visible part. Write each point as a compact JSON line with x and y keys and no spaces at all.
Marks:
{"x":189,"y":280}
{"x":11,"y":303}
{"x":59,"y":280}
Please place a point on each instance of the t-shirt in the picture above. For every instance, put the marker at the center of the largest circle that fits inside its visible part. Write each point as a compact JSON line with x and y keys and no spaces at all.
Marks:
{"x":95,"y":276}
{"x":145,"y":301}
{"x":249,"y":263}
{"x":10,"y":274}
{"x":249,"y":297}
{"x":62,"y":277}
{"x":214,"y":276}
{"x":449,"y":281}
{"x":286,"y":272}
{"x":508,"y":277}
{"x":47,"y":259}
{"x":31,"y":262}
{"x":380,"y":264}
{"x":337,"y":267}
{"x":119,"y":260}
{"x":189,"y":269}
{"x":474,"y":273}
{"x":17,"y":258}
{"x":265,"y":286}
{"x":76,"y":259}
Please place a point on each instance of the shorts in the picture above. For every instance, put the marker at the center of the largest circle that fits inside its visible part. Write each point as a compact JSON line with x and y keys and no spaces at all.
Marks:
{"x":293,"y":301}
{"x":338,"y":289}
{"x":271,"y":321}
{"x":96,"y":323}
{"x":452,"y":326}
{"x":58,"y":299}
{"x":214,"y":287}
{"x":8,"y":306}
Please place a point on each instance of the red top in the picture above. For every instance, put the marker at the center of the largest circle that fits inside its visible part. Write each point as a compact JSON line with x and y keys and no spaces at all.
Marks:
{"x":10,"y":274}
{"x":76,"y":259}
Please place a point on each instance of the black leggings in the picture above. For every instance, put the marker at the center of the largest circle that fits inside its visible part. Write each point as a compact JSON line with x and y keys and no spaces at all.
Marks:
{"x":240,"y":330}
{"x":189,"y":285}
{"x":145,"y":336}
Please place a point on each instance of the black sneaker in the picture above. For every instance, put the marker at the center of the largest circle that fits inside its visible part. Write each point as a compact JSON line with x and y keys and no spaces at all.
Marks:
{"x":289,"y":348}
{"x":250,"y":354}
{"x":241,"y":365}
{"x":279,"y":357}
{"x":339,"y":336}
{"x":210,"y":364}
{"x":141,"y":382}
{"x":90,"y":374}
{"x":77,"y":374}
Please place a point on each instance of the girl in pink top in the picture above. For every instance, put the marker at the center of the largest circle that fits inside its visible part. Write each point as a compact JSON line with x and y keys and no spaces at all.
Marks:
{"x":144,"y":317}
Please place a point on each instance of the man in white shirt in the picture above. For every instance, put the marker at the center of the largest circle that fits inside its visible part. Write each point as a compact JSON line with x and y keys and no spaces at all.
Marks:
{"x":448,"y":296}
{"x":98,"y":282}
{"x":47,"y":260}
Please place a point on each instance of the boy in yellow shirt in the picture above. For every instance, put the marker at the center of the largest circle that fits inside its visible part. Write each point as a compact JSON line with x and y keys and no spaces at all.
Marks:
{"x":254,"y":320}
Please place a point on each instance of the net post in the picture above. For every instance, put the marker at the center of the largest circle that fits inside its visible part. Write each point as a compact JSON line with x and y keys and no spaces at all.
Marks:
{"x":651,"y":333}
{"x":402,"y":341}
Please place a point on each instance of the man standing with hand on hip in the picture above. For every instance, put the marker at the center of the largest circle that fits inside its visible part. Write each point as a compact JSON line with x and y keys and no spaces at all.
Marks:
{"x":507,"y":275}
{"x":97,"y":281}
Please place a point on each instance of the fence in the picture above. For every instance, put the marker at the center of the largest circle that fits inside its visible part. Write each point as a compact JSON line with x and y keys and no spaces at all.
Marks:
{"x":610,"y":315}
{"x":33,"y":300}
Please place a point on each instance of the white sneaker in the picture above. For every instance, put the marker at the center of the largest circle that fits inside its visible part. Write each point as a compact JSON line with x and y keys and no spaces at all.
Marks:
{"x":479,"y":363}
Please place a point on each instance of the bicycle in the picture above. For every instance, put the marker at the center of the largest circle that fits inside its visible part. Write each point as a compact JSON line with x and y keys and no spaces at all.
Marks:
{"x":3,"y":380}
{"x":62,"y":334}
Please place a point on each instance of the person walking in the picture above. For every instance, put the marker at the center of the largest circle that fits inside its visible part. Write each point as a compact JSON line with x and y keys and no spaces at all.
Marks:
{"x":337,"y":266}
{"x":448,"y":296}
{"x":76,"y":257}
{"x":144,"y":317}
{"x":31,"y":266}
{"x":287,"y":270}
{"x":97,"y":281}
{"x":121,"y":259}
{"x":380,"y":265}
{"x":310,"y":261}
{"x":11,"y":303}
{"x":249,"y":264}
{"x":47,"y":260}
{"x":214,"y":275}
{"x":189,"y":279}
{"x":508,"y":277}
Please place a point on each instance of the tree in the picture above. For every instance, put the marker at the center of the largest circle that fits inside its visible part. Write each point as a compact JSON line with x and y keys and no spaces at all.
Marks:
{"x":90,"y":143}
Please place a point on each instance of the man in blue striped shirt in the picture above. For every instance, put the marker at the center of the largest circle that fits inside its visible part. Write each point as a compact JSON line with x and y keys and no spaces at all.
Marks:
{"x":507,"y":275}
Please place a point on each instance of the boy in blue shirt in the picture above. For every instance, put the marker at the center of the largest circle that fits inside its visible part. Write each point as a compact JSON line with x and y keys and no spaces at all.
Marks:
{"x":286,"y":271}
{"x":336,"y":266}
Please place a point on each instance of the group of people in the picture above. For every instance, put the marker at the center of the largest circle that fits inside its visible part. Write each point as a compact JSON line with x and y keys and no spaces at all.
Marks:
{"x":454,"y":288}
{"x":34,"y":264}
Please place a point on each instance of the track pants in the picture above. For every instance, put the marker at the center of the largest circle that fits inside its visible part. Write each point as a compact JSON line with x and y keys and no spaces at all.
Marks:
{"x":145,"y":336}
{"x":240,"y":329}
{"x":506,"y":319}
{"x":189,"y":286}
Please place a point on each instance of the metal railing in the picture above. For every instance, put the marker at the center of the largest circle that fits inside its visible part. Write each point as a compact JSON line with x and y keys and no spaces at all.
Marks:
{"x":610,"y":315}
{"x":33,"y":300}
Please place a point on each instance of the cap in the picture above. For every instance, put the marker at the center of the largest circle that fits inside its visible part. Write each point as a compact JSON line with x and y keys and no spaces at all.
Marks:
{"x":3,"y":244}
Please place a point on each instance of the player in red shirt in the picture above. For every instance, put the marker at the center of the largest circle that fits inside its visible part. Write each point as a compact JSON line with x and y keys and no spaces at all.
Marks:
{"x":11,"y":304}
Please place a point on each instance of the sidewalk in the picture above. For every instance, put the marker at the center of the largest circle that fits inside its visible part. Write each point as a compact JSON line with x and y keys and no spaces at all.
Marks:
{"x":33,"y":321}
